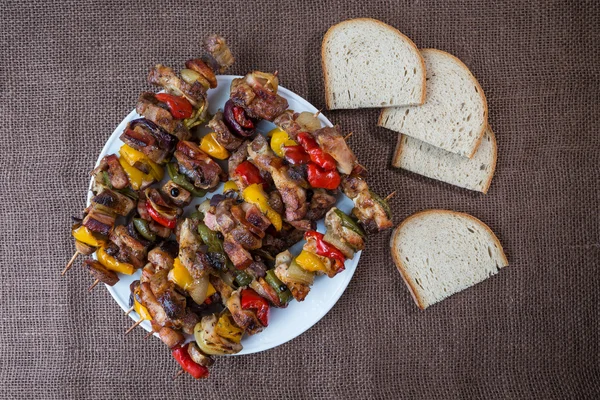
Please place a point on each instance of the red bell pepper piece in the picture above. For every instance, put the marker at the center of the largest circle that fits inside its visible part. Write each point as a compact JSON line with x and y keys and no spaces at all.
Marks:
{"x":326,"y":249}
{"x":240,"y":117}
{"x":250,"y":174}
{"x":317,"y":155}
{"x":179,"y":106}
{"x":164,"y":221}
{"x":319,"y":178}
{"x":251,"y":300}
{"x":181,"y":355}
{"x":296,"y":155}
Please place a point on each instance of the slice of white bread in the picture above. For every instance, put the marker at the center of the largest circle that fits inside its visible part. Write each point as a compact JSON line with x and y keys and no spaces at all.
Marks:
{"x":470,"y":173}
{"x":440,"y":252}
{"x":367,"y":63}
{"x":454,"y":115}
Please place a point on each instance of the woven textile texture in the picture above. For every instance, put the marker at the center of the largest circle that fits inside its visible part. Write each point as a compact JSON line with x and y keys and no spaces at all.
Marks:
{"x":71,"y":70}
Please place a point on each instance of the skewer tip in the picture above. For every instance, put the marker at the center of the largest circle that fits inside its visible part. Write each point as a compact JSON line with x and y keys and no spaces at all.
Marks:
{"x":389,"y":196}
{"x":129,"y":311}
{"x":178,"y":374}
{"x":70,"y":263}
{"x":348,"y":135}
{"x":97,"y":281}
{"x":134,"y":326}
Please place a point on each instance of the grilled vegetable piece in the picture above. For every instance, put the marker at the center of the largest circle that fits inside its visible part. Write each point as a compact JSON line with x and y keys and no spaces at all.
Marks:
{"x":199,"y":357}
{"x":210,"y":342}
{"x":344,"y":227}
{"x":100,"y":272}
{"x":298,"y":287}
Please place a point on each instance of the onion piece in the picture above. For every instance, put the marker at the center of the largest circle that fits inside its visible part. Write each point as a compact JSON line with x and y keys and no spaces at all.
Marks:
{"x":308,"y":121}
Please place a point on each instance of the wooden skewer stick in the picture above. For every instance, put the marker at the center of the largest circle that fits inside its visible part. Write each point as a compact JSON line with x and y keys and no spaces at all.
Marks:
{"x":348,"y":135}
{"x":129,"y":311}
{"x":70,"y":263}
{"x":317,"y":113}
{"x":149,"y":334}
{"x":390,"y":195}
{"x":133,"y":326}
{"x":269,"y":79}
{"x":97,"y":281}
{"x":178,"y":373}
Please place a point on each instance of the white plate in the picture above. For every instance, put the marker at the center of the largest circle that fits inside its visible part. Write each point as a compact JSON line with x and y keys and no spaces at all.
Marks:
{"x":284,"y":324}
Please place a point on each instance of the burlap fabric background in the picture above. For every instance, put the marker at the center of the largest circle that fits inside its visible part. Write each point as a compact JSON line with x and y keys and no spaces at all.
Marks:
{"x":70,"y":71}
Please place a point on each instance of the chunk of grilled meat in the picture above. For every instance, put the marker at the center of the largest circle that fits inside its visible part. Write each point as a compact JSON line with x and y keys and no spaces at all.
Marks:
{"x":100,"y":272}
{"x":290,"y":189}
{"x":287,"y":122}
{"x":369,"y":212}
{"x":224,"y":135}
{"x":259,"y":101}
{"x":282,"y":263}
{"x":192,"y":253}
{"x":116,"y":175}
{"x":99,"y":220}
{"x":150,"y":108}
{"x":333,"y":143}
{"x":218,"y":49}
{"x":245,"y":319}
{"x":134,"y":251}
{"x":275,"y":243}
{"x":239,"y":256}
{"x":265,"y":290}
{"x":195,"y":164}
{"x":334,"y":224}
{"x":161,"y":258}
{"x":320,"y":202}
{"x":155,"y":309}
{"x":115,"y":201}
{"x":168,"y":336}
{"x":166,"y":78}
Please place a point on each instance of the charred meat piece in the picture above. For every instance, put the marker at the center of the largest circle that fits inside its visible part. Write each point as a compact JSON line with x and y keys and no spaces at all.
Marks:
{"x":154,"y":308}
{"x":224,"y":135}
{"x":265,"y":290}
{"x":256,"y":219}
{"x":239,"y":215}
{"x":320,"y":203}
{"x":134,"y":251}
{"x":257,"y":99}
{"x":221,"y":287}
{"x":166,"y":78}
{"x":199,"y":357}
{"x":367,"y":209}
{"x":100,"y":272}
{"x":150,"y":108}
{"x":116,"y":175}
{"x":202,"y":170}
{"x":191,"y":252}
{"x":99,"y":221}
{"x":303,"y":224}
{"x":287,"y":122}
{"x":275,"y":202}
{"x":245,"y":319}
{"x":207,"y":76}
{"x":168,"y":336}
{"x":218,"y":49}
{"x":239,"y":256}
{"x":282,"y":263}
{"x":164,"y":290}
{"x":292,"y":193}
{"x":161,"y":258}
{"x":333,"y":143}
{"x":117,"y":202}
{"x":176,"y":194}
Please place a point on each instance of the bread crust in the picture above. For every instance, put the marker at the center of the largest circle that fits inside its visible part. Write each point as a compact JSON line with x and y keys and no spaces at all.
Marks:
{"x":486,"y":187}
{"x":328,"y":100}
{"x":396,"y":256}
{"x":494,"y":160}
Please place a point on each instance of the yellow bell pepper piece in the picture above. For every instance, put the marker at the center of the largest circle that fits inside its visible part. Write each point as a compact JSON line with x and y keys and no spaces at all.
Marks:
{"x":141,"y":310}
{"x":280,"y":138}
{"x":310,"y":262}
{"x":132,"y":156}
{"x":230,"y":185}
{"x":226,"y":328}
{"x":86,"y":236}
{"x":180,"y":276}
{"x":254,"y":194}
{"x":113,"y":264}
{"x":136,"y":177}
{"x":213,"y":148}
